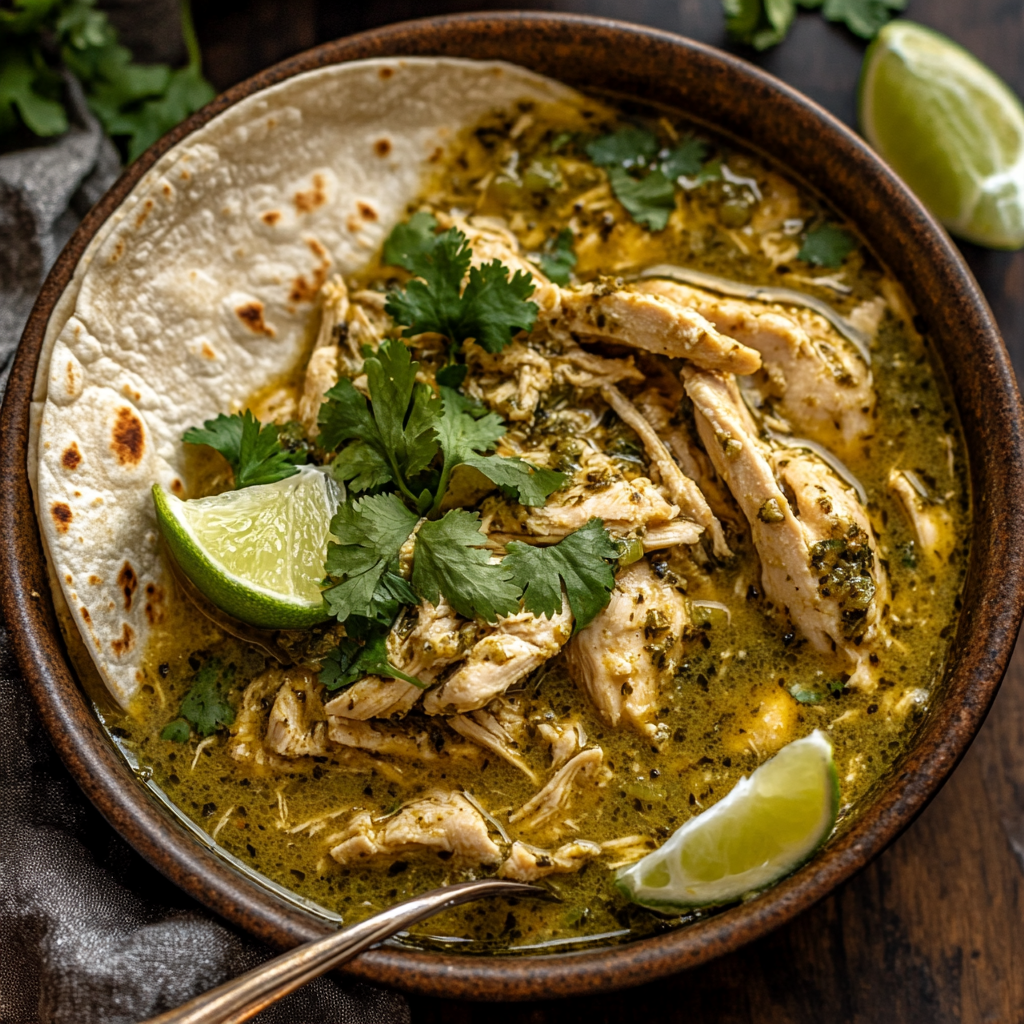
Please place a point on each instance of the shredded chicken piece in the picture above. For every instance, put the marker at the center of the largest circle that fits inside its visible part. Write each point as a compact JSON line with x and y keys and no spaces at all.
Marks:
{"x":621,"y":656}
{"x":681,"y":489}
{"x":528,"y":863}
{"x":297,"y":726}
{"x":250,"y":725}
{"x":519,"y":644}
{"x":564,"y":739}
{"x":632,"y":316}
{"x":424,"y":743}
{"x":817,"y":380}
{"x":486,"y":731}
{"x":510,"y":382}
{"x":804,"y":544}
{"x":556,"y":795}
{"x":322,"y":369}
{"x":931,"y":523}
{"x":438,"y":639}
{"x":446,"y":823}
{"x":582,"y":369}
{"x":627,"y":850}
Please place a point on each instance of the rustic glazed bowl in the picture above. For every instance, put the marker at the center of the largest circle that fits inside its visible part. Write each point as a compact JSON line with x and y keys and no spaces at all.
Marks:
{"x":763,"y":113}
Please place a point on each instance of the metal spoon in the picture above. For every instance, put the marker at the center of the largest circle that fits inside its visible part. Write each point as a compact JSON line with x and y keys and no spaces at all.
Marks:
{"x":242,"y":998}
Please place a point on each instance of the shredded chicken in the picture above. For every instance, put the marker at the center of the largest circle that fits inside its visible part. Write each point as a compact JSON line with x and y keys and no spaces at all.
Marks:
{"x":519,"y":644}
{"x":486,"y":731}
{"x":446,"y":823}
{"x":528,"y":863}
{"x":426,"y":742}
{"x":814,"y":377}
{"x":297,"y":726}
{"x":563,"y":738}
{"x":931,"y":523}
{"x":250,"y":725}
{"x":657,"y":323}
{"x":556,"y":795}
{"x":818,"y":551}
{"x":681,"y":489}
{"x":322,"y":369}
{"x":621,"y":656}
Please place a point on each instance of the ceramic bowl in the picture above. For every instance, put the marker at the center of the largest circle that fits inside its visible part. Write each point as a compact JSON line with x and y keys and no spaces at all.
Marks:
{"x":763,"y":113}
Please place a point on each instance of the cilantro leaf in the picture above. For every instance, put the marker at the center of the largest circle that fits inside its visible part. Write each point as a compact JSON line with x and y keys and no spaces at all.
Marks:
{"x":559,"y":257}
{"x":204,"y":706}
{"x":177,"y":731}
{"x":362,"y":467}
{"x":827,"y":246}
{"x":349,"y":662}
{"x":344,"y":416}
{"x":760,"y":23}
{"x":526,"y":483}
{"x":254,"y":451}
{"x":649,"y":201}
{"x":627,"y":147}
{"x":363,"y":565}
{"x":451,"y":560}
{"x":864,"y":18}
{"x":491,"y":308}
{"x":581,"y":561}
{"x":460,"y":433}
{"x":686,"y":160}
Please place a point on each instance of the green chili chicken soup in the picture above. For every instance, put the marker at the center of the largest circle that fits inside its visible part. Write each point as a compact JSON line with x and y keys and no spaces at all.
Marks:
{"x":451,"y":475}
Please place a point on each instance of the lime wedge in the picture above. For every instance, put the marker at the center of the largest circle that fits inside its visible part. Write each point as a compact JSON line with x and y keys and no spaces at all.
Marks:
{"x":951,"y":128}
{"x":257,"y":553}
{"x":765,"y":828}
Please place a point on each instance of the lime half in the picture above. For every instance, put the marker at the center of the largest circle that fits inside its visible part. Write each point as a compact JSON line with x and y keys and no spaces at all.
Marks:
{"x":257,"y":553}
{"x":951,"y":128}
{"x":767,"y":826}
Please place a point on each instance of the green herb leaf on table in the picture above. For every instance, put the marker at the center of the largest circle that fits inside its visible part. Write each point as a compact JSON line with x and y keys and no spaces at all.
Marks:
{"x":581,"y":562}
{"x":254,"y":451}
{"x":765,"y":23}
{"x":491,"y":309}
{"x":827,"y":246}
{"x":559,"y":257}
{"x":204,"y":706}
{"x":864,"y":18}
{"x":350,"y":661}
{"x":451,"y":560}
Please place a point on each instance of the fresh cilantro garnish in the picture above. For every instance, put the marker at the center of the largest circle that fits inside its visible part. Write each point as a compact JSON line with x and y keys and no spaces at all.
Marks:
{"x":649,"y":199}
{"x":204,"y":706}
{"x":827,"y":246}
{"x":362,"y":467}
{"x":764,"y":23}
{"x":350,"y":661}
{"x":254,"y":451}
{"x":836,"y":686}
{"x":135,"y":103}
{"x":451,"y":560}
{"x":363,"y":566}
{"x":686,"y":160}
{"x":490,"y":309}
{"x":399,"y":425}
{"x":517,"y":478}
{"x":582,"y":562}
{"x":558,"y":257}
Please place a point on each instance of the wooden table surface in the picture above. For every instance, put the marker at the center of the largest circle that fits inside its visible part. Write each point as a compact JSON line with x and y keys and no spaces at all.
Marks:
{"x":933,"y":931}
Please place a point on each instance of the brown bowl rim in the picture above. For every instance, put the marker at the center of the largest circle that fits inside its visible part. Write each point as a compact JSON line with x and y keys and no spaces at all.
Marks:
{"x":746,"y":102}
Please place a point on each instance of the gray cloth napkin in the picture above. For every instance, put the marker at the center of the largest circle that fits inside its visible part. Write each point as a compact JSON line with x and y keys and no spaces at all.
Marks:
{"x":88,"y":931}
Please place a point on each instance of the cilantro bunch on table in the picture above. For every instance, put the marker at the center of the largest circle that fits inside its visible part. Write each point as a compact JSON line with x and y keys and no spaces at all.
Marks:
{"x":491,"y":308}
{"x":41,"y":40}
{"x":764,"y":23}
{"x":643,"y":175}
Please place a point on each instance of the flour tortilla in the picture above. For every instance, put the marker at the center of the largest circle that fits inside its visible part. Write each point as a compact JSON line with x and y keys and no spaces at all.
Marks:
{"x":200,"y":290}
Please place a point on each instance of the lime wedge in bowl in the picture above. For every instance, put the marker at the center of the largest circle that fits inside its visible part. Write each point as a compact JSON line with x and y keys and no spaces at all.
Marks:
{"x":951,"y":128}
{"x":257,"y":553}
{"x":764,"y":829}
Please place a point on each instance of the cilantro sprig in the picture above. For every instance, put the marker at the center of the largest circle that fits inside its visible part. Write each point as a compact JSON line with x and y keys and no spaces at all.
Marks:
{"x":135,"y":103}
{"x":204,"y":708}
{"x":490,"y":309}
{"x":765,"y":23}
{"x":559,"y":257}
{"x":255,"y":451}
{"x":827,"y":246}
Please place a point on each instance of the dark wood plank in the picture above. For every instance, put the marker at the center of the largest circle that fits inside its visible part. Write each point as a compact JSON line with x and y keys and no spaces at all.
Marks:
{"x":933,"y":931}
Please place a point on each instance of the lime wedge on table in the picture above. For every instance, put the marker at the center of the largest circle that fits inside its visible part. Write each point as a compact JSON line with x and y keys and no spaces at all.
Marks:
{"x":765,"y":828}
{"x":951,"y":128}
{"x":257,"y":553}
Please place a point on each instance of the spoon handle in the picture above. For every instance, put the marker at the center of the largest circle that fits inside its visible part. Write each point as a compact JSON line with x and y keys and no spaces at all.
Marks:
{"x":243,"y":997}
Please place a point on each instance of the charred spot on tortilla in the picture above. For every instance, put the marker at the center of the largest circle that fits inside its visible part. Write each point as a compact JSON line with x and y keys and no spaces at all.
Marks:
{"x":312,"y":198}
{"x":271,"y":217}
{"x":177,"y":487}
{"x":128,"y":440}
{"x":382,"y":147}
{"x":85,"y":614}
{"x":367,"y":212}
{"x":251,"y":314}
{"x":125,"y":642}
{"x":128,"y":582}
{"x":95,"y":580}
{"x":154,"y":604}
{"x":72,"y":457}
{"x":62,"y":516}
{"x":206,"y":351}
{"x":386,"y":72}
{"x":147,"y":209}
{"x":118,"y":251}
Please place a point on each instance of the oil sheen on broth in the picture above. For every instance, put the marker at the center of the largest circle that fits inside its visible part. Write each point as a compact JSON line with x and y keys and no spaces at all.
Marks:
{"x":743,"y":681}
